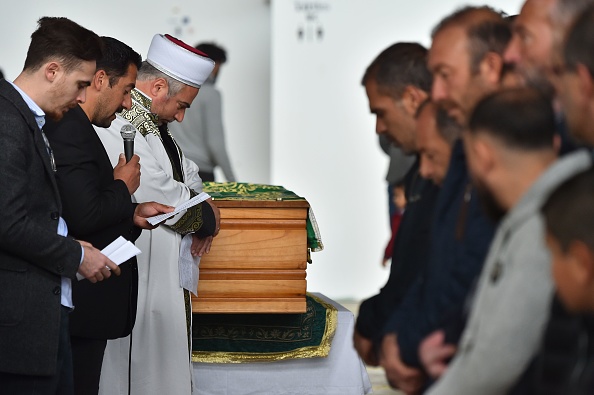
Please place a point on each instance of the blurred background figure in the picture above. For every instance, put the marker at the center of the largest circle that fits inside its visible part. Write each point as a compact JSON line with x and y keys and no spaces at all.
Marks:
{"x":398,"y":195}
{"x":202,"y":134}
{"x":400,"y":164}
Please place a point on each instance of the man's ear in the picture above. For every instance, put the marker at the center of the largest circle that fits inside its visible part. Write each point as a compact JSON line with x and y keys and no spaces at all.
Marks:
{"x":159,"y":87}
{"x":412,"y":97}
{"x":582,"y":263}
{"x":491,"y":67}
{"x":51,"y":71}
{"x":483,"y":152}
{"x":585,"y":80}
{"x":100,"y":80}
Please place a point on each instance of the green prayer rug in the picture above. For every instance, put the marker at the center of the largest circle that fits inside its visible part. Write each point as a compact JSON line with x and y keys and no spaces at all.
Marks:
{"x":236,"y":338}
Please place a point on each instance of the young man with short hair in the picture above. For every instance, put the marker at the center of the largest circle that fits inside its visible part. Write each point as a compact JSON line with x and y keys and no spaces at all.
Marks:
{"x":37,"y":261}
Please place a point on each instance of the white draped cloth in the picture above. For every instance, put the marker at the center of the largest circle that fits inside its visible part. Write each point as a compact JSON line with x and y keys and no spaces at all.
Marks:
{"x":160,"y":357}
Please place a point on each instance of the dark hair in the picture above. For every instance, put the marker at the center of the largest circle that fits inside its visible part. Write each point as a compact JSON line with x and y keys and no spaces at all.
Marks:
{"x":486,"y":29}
{"x":510,"y":19}
{"x":569,"y":212}
{"x":64,"y":40}
{"x":579,"y":43}
{"x":398,"y":66}
{"x":213,"y":51}
{"x":116,"y":58}
{"x":446,"y":126}
{"x":521,"y":118}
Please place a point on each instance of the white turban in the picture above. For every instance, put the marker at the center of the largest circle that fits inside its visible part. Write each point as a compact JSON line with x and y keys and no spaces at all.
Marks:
{"x":179,"y":60}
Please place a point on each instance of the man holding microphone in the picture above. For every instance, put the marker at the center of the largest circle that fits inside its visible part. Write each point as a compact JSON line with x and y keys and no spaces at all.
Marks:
{"x":98,"y":208}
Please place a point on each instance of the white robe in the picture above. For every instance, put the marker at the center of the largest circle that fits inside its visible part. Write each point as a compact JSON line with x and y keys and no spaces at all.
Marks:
{"x":160,"y":358}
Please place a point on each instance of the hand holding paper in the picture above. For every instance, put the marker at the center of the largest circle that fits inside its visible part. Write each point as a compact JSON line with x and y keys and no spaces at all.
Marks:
{"x":146,"y":210}
{"x":202,"y":196}
{"x":95,"y":266}
{"x":118,"y":252}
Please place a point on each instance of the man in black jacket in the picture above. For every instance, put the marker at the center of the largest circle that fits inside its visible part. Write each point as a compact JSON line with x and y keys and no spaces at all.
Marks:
{"x":466,"y":61}
{"x":98,"y":207}
{"x":396,"y":83}
{"x":37,"y":263}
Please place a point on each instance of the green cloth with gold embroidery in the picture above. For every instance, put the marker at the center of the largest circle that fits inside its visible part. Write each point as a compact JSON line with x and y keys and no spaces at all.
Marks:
{"x":248,"y":191}
{"x":235,"y":338}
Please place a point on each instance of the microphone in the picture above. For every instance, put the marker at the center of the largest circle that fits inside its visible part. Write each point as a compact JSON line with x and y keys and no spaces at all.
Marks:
{"x":128,"y":132}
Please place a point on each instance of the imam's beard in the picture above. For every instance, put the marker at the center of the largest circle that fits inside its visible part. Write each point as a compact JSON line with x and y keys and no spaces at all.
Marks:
{"x":490,"y":206}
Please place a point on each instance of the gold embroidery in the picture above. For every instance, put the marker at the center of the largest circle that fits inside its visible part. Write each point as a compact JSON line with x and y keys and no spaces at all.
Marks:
{"x":191,"y":221}
{"x":322,"y":350}
{"x":140,"y":116}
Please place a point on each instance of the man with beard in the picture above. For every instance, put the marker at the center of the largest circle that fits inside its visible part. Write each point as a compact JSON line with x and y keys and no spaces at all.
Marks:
{"x":37,"y":261}
{"x":167,"y":83}
{"x":575,"y":79}
{"x":535,"y":53}
{"x":97,"y":206}
{"x":563,"y":350}
{"x":537,"y":41}
{"x":396,"y":83}
{"x":466,"y":61}
{"x":511,"y":158}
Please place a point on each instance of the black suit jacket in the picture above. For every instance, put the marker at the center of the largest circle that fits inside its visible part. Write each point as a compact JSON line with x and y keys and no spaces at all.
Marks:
{"x":97,"y":209}
{"x":33,"y":257}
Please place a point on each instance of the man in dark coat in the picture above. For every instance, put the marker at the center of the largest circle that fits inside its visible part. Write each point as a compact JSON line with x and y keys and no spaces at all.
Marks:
{"x":98,"y":207}
{"x":466,"y":61}
{"x":37,"y":261}
{"x":396,"y":83}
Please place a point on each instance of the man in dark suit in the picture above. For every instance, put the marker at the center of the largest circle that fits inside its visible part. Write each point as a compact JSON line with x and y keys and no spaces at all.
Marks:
{"x":397,"y":82}
{"x":98,"y":208}
{"x":37,"y":262}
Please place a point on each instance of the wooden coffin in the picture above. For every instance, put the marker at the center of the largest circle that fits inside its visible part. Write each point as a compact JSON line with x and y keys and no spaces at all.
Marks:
{"x":257,"y":263}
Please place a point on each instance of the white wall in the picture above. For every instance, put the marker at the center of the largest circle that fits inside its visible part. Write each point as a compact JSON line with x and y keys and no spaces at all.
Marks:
{"x":323,"y":142}
{"x":295,"y":112}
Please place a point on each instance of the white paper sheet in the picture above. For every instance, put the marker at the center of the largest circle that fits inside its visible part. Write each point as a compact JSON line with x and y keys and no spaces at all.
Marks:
{"x":119,"y":251}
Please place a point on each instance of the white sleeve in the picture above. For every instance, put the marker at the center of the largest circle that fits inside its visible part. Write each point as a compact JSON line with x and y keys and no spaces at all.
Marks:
{"x":156,"y":184}
{"x":191,"y":175}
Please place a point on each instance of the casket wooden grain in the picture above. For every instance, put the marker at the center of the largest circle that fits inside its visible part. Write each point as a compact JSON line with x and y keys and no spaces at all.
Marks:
{"x":257,"y":263}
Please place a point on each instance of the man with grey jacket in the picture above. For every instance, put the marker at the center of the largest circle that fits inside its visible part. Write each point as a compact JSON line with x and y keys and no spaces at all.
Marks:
{"x":513,"y":160}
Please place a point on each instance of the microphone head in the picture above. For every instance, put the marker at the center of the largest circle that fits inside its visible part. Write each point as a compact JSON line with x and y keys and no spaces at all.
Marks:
{"x":128,"y":132}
